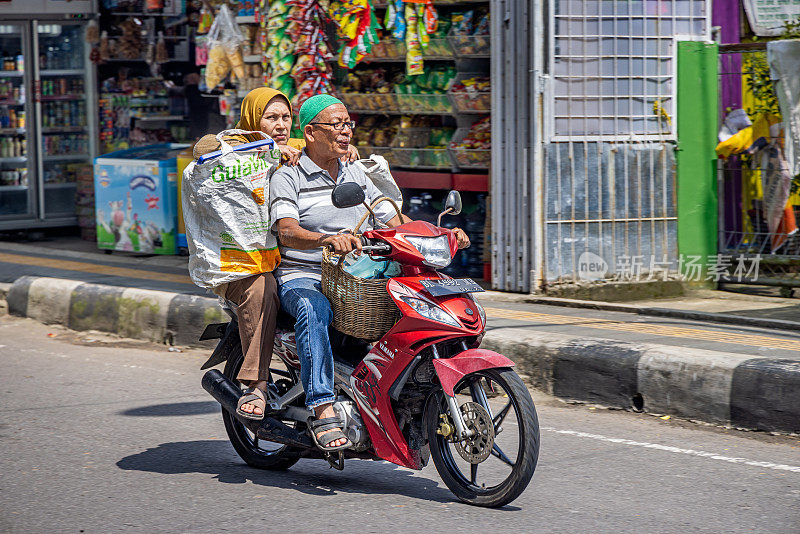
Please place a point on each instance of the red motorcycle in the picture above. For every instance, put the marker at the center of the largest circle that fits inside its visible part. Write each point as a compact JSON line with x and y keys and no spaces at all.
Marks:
{"x":424,"y":389}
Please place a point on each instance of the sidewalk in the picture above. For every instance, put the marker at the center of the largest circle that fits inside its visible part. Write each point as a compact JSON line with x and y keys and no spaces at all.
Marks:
{"x":679,"y":356}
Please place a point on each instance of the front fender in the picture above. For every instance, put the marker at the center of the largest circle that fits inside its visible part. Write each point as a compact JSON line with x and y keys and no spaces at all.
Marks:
{"x":451,"y":370}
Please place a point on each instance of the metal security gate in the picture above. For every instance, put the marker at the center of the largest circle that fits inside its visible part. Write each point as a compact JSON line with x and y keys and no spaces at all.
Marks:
{"x":761,"y":251}
{"x":583,"y":165}
{"x":516,"y":110}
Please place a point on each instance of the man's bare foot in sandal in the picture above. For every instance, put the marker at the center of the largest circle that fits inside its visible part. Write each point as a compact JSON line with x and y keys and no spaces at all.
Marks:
{"x":253,"y":402}
{"x":326,"y":429}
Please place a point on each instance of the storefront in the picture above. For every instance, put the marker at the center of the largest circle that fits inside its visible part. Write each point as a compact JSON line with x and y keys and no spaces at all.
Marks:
{"x":47,"y":124}
{"x":415,"y":77}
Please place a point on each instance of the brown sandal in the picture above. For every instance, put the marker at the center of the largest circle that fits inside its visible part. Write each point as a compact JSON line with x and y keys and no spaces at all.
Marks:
{"x":255,"y":397}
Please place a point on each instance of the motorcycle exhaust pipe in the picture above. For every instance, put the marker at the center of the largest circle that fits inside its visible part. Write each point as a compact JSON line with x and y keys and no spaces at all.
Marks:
{"x":269,"y":429}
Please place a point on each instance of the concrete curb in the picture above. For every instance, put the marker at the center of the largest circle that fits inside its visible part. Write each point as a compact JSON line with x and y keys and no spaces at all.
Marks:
{"x":158,"y":316}
{"x":690,"y":315}
{"x":730,"y":389}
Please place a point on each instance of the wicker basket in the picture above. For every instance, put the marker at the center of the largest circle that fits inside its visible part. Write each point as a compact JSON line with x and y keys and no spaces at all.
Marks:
{"x":362,"y":307}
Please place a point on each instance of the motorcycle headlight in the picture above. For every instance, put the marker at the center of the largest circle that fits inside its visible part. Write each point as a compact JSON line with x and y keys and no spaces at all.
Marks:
{"x":432,"y":312}
{"x":435,"y":250}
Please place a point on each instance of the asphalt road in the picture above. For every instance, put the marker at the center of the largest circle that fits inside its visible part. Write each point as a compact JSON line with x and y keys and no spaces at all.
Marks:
{"x":102,"y":435}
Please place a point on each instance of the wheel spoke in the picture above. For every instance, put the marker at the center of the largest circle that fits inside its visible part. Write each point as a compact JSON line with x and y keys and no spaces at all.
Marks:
{"x":473,"y":473}
{"x":498,"y":453}
{"x":501,"y":415}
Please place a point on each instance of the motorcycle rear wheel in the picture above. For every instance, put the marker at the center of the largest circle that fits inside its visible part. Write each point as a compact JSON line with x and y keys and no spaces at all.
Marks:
{"x":527,"y":449}
{"x":255,"y":452}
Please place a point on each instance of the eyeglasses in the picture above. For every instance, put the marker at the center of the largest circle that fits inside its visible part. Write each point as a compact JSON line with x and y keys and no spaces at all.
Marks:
{"x":339,"y":126}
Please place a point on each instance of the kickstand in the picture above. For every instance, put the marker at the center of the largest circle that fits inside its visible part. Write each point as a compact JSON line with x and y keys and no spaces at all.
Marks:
{"x":337,"y":463}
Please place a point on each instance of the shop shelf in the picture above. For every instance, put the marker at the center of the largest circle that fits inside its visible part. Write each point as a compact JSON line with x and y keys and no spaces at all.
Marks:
{"x":423,"y":180}
{"x":11,"y":74}
{"x":66,"y":157}
{"x":420,"y":103}
{"x":63,"y":72}
{"x":438,"y":48}
{"x":470,"y":45}
{"x":367,"y":151}
{"x":60,"y":98}
{"x":421,"y":158}
{"x":245,"y":19}
{"x":471,"y":182}
{"x":389,"y":49}
{"x":160,"y":118}
{"x":470,"y":101}
{"x":370,"y":102}
{"x":64,"y":129}
{"x":13,"y":187}
{"x":12,"y":131}
{"x":62,"y":185}
{"x":469,"y":158}
{"x":11,"y":103}
{"x":18,"y":160}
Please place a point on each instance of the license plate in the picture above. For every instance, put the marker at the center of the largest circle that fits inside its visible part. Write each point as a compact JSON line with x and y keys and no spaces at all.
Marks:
{"x":452,"y":286}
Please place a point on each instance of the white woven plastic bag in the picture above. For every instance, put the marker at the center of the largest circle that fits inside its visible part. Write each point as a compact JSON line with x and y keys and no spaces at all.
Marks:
{"x":226,"y":211}
{"x":377,"y":169}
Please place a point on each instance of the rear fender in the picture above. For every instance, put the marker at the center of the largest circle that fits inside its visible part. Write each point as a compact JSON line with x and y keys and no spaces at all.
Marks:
{"x":451,"y":370}
{"x":227,"y":343}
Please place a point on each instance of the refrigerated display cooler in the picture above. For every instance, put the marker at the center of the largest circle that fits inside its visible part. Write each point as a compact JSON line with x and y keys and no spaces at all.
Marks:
{"x":136,"y":199}
{"x":47,"y":119}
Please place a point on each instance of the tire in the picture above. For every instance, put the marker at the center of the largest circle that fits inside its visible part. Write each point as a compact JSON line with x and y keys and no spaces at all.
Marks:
{"x":246,"y":446}
{"x":528,"y":445}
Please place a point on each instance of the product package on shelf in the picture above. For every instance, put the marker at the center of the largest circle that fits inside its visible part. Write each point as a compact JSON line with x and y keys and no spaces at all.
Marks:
{"x":224,"y":55}
{"x":356,"y":26}
{"x":471,"y":147}
{"x":426,"y":92}
{"x":471,"y":93}
{"x":406,"y":141}
{"x":469,"y":33}
{"x":313,"y":70}
{"x":368,"y":90}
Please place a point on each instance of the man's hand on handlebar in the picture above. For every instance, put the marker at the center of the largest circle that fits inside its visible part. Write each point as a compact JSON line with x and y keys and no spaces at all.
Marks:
{"x":462,"y":238}
{"x":342,"y":243}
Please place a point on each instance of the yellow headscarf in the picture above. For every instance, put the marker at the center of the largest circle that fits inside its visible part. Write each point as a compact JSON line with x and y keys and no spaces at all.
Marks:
{"x":253,"y":109}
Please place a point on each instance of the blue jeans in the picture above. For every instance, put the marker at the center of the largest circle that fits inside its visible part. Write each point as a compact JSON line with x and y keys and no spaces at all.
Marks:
{"x":303,"y":299}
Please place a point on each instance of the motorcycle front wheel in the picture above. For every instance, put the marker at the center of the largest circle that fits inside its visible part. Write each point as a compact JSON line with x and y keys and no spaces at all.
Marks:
{"x":506,"y":454}
{"x":255,"y":452}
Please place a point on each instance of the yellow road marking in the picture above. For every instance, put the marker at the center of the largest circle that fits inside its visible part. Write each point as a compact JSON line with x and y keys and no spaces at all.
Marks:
{"x":645,"y":328}
{"x":82,"y":267}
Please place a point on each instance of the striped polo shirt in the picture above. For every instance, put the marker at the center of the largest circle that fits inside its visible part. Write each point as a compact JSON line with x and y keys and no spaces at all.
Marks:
{"x":303,"y":193}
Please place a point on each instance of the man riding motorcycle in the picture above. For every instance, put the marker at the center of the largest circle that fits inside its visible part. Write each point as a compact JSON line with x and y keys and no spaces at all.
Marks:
{"x":306,"y":220}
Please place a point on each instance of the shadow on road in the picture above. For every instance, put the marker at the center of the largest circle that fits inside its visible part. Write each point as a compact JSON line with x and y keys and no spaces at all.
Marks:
{"x":217,"y":458}
{"x":174,"y":409}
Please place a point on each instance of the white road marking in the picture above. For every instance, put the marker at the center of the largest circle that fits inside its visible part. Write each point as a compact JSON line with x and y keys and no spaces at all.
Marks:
{"x":677,"y":450}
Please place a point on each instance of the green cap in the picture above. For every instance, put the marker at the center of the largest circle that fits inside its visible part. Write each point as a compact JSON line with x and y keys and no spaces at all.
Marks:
{"x":312,"y":107}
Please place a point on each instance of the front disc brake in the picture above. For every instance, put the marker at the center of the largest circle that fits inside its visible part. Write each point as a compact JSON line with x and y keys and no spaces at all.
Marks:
{"x":476,"y":448}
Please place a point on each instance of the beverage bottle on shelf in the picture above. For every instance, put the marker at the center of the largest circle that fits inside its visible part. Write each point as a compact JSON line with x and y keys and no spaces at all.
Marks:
{"x":12,"y":119}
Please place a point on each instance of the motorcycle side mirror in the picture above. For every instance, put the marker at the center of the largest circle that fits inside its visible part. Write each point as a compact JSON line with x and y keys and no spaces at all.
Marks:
{"x":452,"y":205}
{"x":347,"y":195}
